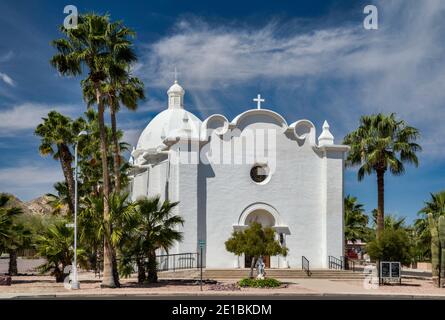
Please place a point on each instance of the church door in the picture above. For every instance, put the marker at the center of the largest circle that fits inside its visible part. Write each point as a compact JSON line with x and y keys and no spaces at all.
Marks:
{"x":248,"y":261}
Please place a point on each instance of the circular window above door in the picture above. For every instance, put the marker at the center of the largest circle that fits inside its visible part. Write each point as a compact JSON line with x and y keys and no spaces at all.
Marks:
{"x":259,"y":173}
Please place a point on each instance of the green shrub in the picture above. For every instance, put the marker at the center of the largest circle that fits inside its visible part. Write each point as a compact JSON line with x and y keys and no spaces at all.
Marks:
{"x":259,"y":283}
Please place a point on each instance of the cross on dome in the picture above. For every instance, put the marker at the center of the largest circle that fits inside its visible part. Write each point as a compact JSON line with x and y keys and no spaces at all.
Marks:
{"x":176,"y":75}
{"x":258,"y":101}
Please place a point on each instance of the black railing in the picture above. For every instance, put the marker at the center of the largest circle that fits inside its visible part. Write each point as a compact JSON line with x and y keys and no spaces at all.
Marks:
{"x":349,"y":264}
{"x":335,"y":263}
{"x":305,"y":265}
{"x":179,"y":261}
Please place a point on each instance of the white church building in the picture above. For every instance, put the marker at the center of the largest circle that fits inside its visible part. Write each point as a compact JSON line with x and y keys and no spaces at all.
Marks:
{"x":227,"y":174}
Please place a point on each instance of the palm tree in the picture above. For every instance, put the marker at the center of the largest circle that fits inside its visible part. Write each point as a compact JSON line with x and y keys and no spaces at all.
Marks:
{"x":356,"y":220}
{"x":58,"y":201}
{"x":381,"y":143}
{"x":156,"y":229}
{"x":55,"y":245}
{"x":120,"y":88}
{"x":92,"y":229}
{"x":390,"y":222}
{"x":86,"y":47}
{"x":58,"y":133}
{"x":13,"y":233}
{"x":6,"y":223}
{"x":127,"y":93}
{"x":123,"y":90}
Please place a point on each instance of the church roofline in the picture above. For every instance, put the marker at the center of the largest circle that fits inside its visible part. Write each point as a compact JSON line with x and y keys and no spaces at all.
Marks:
{"x":235,"y":122}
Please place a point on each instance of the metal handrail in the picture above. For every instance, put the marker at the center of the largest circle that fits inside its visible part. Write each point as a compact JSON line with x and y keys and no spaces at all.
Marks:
{"x":335,"y":263}
{"x":305,"y":265}
{"x":177,"y":261}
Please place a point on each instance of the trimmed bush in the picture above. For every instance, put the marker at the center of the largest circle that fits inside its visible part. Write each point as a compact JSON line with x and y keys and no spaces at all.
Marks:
{"x":259,"y":283}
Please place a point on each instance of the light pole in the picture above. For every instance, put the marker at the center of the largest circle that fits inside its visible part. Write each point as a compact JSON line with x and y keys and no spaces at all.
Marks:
{"x":75,"y":282}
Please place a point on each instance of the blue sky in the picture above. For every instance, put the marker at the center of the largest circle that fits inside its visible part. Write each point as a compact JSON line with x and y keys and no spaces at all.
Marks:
{"x":309,"y":59}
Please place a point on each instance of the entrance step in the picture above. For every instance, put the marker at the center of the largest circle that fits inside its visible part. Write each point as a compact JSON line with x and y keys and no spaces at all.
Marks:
{"x":220,"y":274}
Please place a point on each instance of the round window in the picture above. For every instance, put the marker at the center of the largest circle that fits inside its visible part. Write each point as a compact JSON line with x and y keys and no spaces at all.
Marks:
{"x":259,"y":173}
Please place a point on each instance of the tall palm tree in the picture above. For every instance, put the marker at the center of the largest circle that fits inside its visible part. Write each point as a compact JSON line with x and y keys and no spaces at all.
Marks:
{"x":382,"y":143}
{"x":58,"y":133}
{"x":86,"y":47}
{"x":126,"y":92}
{"x":356,"y":220}
{"x":89,"y":155}
{"x":120,"y":88}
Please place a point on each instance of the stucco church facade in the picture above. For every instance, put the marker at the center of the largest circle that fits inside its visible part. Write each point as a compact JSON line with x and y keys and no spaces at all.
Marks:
{"x":227,"y":174}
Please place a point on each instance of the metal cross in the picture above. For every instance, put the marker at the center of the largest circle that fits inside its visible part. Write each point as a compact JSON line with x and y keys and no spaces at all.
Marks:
{"x":176,"y":75}
{"x":258,"y":101}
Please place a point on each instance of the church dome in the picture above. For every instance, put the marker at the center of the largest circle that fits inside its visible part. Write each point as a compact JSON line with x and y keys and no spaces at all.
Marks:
{"x":175,"y":122}
{"x":167,"y":124}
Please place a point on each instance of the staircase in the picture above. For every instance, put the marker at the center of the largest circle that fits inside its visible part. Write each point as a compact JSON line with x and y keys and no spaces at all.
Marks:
{"x":221,"y":274}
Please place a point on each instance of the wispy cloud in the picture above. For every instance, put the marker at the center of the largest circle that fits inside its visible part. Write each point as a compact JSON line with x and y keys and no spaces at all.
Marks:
{"x":7,"y":79}
{"x":398,"y":68}
{"x":26,"y":116}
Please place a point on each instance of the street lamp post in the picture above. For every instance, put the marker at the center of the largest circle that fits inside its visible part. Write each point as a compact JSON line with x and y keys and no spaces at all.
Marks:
{"x":75,"y":282}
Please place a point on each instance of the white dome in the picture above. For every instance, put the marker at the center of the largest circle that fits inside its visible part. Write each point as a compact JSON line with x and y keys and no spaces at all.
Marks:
{"x":168,"y":124}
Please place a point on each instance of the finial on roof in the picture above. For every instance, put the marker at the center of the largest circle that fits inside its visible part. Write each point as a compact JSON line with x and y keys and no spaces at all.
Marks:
{"x":176,"y":95}
{"x":326,"y":137}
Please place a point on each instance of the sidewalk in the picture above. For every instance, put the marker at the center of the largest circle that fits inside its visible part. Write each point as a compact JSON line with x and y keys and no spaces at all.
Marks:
{"x":45,"y":287}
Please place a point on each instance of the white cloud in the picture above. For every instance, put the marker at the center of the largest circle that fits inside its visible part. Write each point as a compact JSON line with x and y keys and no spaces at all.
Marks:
{"x":7,"y":79}
{"x":398,"y":68}
{"x":26,"y":116}
{"x":29,"y":181}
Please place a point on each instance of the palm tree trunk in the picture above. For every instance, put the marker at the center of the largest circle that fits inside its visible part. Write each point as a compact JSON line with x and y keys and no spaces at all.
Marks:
{"x":152,"y":268}
{"x":12,"y":270}
{"x":141,"y":270}
{"x":116,"y":152}
{"x":108,"y":280}
{"x":66,"y":160}
{"x":381,"y":201}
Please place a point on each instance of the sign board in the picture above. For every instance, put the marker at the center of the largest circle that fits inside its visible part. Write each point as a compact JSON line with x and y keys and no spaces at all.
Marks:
{"x":390,"y":271}
{"x":69,"y":225}
{"x":202,"y":243}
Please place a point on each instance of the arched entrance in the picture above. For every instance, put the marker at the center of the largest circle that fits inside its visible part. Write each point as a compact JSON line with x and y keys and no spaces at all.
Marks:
{"x":267,"y":216}
{"x":264,"y":218}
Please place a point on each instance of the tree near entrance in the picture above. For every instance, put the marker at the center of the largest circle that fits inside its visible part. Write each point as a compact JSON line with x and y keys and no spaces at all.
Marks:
{"x":255,"y":241}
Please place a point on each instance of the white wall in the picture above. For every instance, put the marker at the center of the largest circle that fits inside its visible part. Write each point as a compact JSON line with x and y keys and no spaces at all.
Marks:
{"x":306,"y":190}
{"x":293,"y":191}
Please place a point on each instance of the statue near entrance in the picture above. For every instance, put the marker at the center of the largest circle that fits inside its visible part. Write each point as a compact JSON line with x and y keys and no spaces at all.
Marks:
{"x":260,"y":265}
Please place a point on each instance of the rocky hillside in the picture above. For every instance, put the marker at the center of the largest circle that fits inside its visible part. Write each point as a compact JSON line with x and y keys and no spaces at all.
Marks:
{"x":38,"y":206}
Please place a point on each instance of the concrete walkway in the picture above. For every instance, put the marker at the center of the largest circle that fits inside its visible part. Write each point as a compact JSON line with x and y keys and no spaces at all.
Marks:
{"x":39,"y":287}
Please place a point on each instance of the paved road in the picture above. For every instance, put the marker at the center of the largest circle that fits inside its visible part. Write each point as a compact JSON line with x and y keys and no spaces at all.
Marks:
{"x":296,"y":296}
